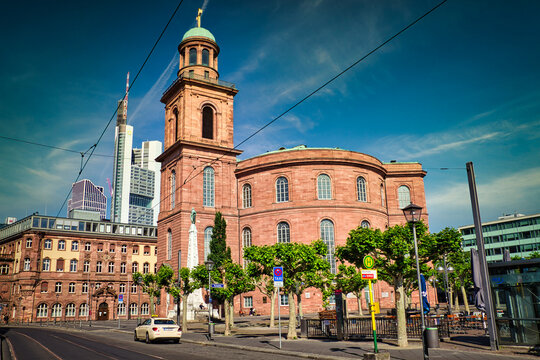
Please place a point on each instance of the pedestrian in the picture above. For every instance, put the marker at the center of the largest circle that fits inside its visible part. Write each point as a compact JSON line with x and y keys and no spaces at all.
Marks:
{"x":6,"y":319}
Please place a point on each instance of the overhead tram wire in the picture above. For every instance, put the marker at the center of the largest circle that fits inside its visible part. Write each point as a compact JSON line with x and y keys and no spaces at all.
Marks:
{"x":93,"y":147}
{"x":308,"y":96}
{"x":50,"y":146}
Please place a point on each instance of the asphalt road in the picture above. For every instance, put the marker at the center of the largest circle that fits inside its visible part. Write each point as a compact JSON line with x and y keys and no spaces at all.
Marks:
{"x":36,"y":343}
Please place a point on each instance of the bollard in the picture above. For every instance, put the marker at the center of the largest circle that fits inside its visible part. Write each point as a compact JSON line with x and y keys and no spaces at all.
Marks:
{"x":432,"y":337}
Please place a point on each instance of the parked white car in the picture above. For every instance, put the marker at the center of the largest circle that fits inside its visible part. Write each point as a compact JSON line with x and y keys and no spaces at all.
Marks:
{"x":158,"y":329}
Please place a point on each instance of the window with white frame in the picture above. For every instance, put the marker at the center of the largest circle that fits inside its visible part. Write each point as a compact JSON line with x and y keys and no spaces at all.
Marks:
{"x":71,"y":288}
{"x":111,"y":267}
{"x":122,"y":288}
{"x":246,"y":242}
{"x":327,"y":235}
{"x":324,"y":187}
{"x":145,"y":309}
{"x":134,"y":288}
{"x":123,"y":268}
{"x":44,"y":287}
{"x":112,"y":248}
{"x":26,"y":264}
{"x":86,"y":266}
{"x":58,"y":287}
{"x":133,"y":309}
{"x":83,"y":310}
{"x":282,"y":189}
{"x":208,"y":186}
{"x":169,"y":244}
{"x":207,"y":238}
{"x":47,"y":245}
{"x":46,"y":264}
{"x":283,"y":233}
{"x":361,"y":189}
{"x":99,"y":266}
{"x":73,"y":265}
{"x":246,"y":196}
{"x":62,"y":245}
{"x":70,"y":310}
{"x":42,"y":310}
{"x":135,"y":249}
{"x":74,"y":246}
{"x":134,"y":267}
{"x":85,"y":288}
{"x":146,"y":268}
{"x":87,"y":246}
{"x":122,"y":309}
{"x":404,"y":196}
{"x":28,"y":243}
{"x":284,"y":300}
{"x":248,"y":301}
{"x":124,"y":249}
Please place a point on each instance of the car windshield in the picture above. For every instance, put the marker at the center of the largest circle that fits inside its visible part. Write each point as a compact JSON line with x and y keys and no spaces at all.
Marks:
{"x":163,"y":322}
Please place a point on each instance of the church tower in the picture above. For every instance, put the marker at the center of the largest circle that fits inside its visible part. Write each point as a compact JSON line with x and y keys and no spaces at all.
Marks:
{"x":199,"y":159}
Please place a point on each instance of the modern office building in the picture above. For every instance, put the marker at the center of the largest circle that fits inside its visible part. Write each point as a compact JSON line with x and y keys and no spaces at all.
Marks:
{"x":518,"y":233}
{"x":87,"y":196}
{"x":289,"y":195}
{"x":71,"y":269}
{"x":136,"y":178}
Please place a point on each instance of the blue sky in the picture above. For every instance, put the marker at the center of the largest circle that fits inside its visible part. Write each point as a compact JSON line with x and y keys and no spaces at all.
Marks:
{"x":459,"y":86}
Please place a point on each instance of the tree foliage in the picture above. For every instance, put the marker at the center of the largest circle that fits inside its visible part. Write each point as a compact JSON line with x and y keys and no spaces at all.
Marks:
{"x":220,"y":253}
{"x":153,"y":283}
{"x":349,"y":280}
{"x":185,"y":285}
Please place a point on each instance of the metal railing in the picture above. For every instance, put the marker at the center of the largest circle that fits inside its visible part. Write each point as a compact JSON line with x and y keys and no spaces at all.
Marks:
{"x":187,"y":75}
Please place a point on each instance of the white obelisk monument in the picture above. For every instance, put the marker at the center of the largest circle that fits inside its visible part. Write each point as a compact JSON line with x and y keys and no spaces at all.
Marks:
{"x":196,"y":298}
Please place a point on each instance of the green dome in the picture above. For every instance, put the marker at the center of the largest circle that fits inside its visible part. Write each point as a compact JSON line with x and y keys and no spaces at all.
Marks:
{"x":199,"y":32}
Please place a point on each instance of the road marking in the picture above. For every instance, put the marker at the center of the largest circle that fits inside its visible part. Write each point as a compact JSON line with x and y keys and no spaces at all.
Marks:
{"x":84,"y":347}
{"x":11,"y":351}
{"x":40,"y":344}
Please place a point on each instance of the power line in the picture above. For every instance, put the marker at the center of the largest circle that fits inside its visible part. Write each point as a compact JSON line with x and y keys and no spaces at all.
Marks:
{"x":50,"y":146}
{"x":307,"y":97}
{"x":93,"y":147}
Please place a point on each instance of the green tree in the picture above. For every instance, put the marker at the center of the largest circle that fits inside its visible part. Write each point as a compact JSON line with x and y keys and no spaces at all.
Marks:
{"x":303,"y":266}
{"x":393,"y":251}
{"x":182,"y":288}
{"x":153,"y":283}
{"x":534,"y":255}
{"x":261,"y":272}
{"x":349,"y":280}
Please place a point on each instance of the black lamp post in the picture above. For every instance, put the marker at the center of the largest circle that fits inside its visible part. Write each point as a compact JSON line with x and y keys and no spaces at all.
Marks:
{"x":209,"y":264}
{"x":412,"y":214}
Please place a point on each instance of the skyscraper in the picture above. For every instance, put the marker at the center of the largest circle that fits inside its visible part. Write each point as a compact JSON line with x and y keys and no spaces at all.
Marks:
{"x":87,"y":196}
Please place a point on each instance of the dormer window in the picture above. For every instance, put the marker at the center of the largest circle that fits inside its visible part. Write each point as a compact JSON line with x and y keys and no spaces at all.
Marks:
{"x":207,"y":123}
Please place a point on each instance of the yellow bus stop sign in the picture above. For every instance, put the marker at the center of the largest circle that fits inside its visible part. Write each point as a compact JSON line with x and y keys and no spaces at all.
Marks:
{"x":368,"y":262}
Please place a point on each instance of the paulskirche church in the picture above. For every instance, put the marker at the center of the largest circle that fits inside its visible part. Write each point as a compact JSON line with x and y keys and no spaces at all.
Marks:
{"x":288,"y":195}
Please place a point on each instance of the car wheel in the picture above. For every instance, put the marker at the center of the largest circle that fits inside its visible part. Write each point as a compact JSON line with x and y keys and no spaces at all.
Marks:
{"x":147,"y":339}
{"x":135,"y":336}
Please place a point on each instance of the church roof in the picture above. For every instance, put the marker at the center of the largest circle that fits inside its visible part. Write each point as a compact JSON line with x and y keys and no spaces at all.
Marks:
{"x":198,"y":32}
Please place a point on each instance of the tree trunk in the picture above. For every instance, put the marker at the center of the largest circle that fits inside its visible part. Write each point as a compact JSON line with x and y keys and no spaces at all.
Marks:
{"x":231,"y":311}
{"x":359,"y":300}
{"x":299,"y":302}
{"x":456,"y":303}
{"x":226,"y":308}
{"x":184,"y":313}
{"x":400,"y":313}
{"x":465,"y":301}
{"x":450,"y":300}
{"x":273,"y":308}
{"x":291,"y":334}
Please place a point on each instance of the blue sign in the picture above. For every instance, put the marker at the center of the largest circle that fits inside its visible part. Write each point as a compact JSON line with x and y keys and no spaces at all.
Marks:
{"x":278,"y":273}
{"x":217,"y":286}
{"x":120,"y":298}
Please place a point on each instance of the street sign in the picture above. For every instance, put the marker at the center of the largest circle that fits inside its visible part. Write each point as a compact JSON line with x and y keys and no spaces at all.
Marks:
{"x":217,"y":286}
{"x":278,"y":273}
{"x":278,"y":284}
{"x":369,"y":274}
{"x":120,"y":298}
{"x":368,"y":262}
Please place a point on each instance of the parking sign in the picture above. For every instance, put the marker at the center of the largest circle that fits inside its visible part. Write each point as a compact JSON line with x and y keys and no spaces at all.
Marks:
{"x":120,"y":298}
{"x":278,"y":276}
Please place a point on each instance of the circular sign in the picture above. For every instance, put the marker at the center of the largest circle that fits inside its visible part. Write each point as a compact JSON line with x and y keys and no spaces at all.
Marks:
{"x":368,"y":261}
{"x":278,"y":272}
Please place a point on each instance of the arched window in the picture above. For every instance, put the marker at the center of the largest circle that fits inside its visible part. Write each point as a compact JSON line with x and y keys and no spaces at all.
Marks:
{"x":46,"y":264}
{"x":383,"y":198}
{"x":361,"y":189}
{"x":175,"y":113}
{"x":83,"y":310}
{"x":56,"y":310}
{"x":404,"y":196}
{"x":205,"y":57}
{"x":246,"y":242}
{"x":70,"y":310}
{"x":133,"y":309}
{"x":26,"y":264}
{"x":73,"y":265}
{"x":44,"y":287}
{"x":246,"y":196}
{"x":192,"y":56}
{"x":208,"y":187}
{"x":169,"y":244}
{"x":135,"y":267}
{"x":173,"y":188}
{"x":207,"y":122}
{"x":145,"y":309}
{"x":146,"y":268}
{"x":365,"y":224}
{"x":283,"y":233}
{"x":282,"y":189}
{"x":207,"y":238}
{"x":327,"y":235}
{"x":324,"y":187}
{"x":42,"y":310}
{"x":122,"y":309}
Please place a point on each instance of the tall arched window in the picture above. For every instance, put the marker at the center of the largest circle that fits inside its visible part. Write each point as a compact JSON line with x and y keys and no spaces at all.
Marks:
{"x":173,"y":188}
{"x":169,"y":244}
{"x":207,"y":122}
{"x":207,"y":238}
{"x":42,"y":310}
{"x":383,"y":198}
{"x":282,"y":189}
{"x":327,"y":235}
{"x":83,"y":310}
{"x":205,"y":57}
{"x":404,"y":196}
{"x":246,"y":196}
{"x":283,"y":233}
{"x":192,"y":56}
{"x":175,"y":113}
{"x":208,"y":187}
{"x":70,"y":310}
{"x":246,"y":242}
{"x":361,"y":189}
{"x":324,"y":187}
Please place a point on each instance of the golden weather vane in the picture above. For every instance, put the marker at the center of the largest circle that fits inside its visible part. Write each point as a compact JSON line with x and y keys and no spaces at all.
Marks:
{"x":199,"y":14}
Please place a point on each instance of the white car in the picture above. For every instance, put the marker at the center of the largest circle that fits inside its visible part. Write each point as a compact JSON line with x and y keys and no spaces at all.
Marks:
{"x":158,"y":329}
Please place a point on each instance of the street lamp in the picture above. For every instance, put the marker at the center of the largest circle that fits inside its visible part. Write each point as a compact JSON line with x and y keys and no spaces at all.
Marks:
{"x":209,"y":264}
{"x":412,"y":214}
{"x":446,"y":268}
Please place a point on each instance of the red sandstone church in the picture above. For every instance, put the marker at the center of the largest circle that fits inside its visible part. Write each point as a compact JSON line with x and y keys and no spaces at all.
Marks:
{"x":288,"y":195}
